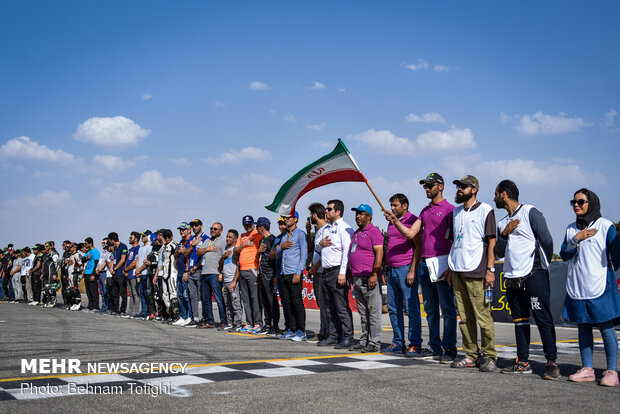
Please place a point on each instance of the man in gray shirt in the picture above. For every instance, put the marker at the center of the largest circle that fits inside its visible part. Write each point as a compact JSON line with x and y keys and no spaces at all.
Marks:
{"x":211,"y":251}
{"x":232,"y":300}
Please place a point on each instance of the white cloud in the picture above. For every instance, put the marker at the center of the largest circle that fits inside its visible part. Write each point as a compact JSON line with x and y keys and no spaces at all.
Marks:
{"x":429,"y":141}
{"x":609,"y":119}
{"x":385,"y":141}
{"x":317,"y":127}
{"x":317,"y":85}
{"x":541,"y":173}
{"x":260,"y":179}
{"x":441,"y":68}
{"x":452,"y":139}
{"x":181,"y":161}
{"x":47,"y":199}
{"x":290,"y":118}
{"x":420,"y":65}
{"x":219,"y":104}
{"x":341,"y":90}
{"x":543,"y":124}
{"x":426,"y":118}
{"x":150,"y":183}
{"x":272,"y":112}
{"x":26,"y":149}
{"x":259,"y":86}
{"x":236,"y":156}
{"x":111,"y":132}
{"x":146,"y":96}
{"x":110,"y":162}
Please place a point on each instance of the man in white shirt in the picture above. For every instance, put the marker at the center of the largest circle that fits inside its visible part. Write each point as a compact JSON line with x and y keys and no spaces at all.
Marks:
{"x":317,"y":218}
{"x":334,"y":251}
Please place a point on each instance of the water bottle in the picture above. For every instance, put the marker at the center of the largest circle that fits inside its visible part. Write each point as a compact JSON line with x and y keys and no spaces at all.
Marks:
{"x":488,"y":294}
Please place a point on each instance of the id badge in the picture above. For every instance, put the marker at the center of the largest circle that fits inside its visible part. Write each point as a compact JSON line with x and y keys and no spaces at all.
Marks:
{"x":458,"y":243}
{"x":353,"y":247}
{"x":191,"y":262}
{"x":160,"y":272}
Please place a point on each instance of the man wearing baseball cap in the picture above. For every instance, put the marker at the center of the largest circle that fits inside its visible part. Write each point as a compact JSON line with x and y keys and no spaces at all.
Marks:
{"x":181,"y":255}
{"x":247,"y":277}
{"x":365,"y":259}
{"x":472,"y":260}
{"x":294,"y":247}
{"x":434,"y":223}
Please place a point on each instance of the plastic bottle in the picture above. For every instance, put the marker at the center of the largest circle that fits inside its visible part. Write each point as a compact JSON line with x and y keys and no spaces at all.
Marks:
{"x":488,"y":294}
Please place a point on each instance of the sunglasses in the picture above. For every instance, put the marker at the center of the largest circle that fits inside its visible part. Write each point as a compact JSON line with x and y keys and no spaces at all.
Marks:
{"x":462,"y":186}
{"x":195,"y":225}
{"x":215,"y":229}
{"x":328,"y":209}
{"x":429,"y":186}
{"x":580,"y":203}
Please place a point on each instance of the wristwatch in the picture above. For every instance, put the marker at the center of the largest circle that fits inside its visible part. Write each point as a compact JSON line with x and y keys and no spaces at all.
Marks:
{"x":492,"y":269}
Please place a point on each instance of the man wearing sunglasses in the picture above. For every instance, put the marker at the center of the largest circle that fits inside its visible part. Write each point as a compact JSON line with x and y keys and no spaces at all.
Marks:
{"x":472,"y":261}
{"x":211,"y":250}
{"x":523,"y":239}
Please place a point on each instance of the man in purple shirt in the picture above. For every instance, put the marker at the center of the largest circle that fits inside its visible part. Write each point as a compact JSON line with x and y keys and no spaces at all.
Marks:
{"x":434,"y":224}
{"x":401,"y":281}
{"x":365,"y":258}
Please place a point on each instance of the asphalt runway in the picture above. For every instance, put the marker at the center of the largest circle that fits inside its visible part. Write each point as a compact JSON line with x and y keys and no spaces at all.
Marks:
{"x":229,"y":372}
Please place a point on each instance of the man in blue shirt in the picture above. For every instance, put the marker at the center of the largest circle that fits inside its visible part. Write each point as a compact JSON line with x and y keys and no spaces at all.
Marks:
{"x":130,"y":273}
{"x":277,"y":256}
{"x":92,"y":260}
{"x":119,"y":281}
{"x":294,"y":247}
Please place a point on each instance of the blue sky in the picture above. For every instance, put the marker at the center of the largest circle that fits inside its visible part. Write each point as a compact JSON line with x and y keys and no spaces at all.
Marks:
{"x":121,"y":116}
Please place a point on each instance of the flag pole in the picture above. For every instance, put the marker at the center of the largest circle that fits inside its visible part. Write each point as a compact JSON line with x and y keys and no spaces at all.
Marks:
{"x":363,"y":176}
{"x":374,"y":194}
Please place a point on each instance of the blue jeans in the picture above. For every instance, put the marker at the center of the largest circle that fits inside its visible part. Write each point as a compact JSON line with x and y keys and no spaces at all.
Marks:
{"x":399,"y":291}
{"x":143,"y":304}
{"x":436,"y":295}
{"x":183,"y":294}
{"x":610,"y":342}
{"x":210,"y":285}
{"x":103,"y":289}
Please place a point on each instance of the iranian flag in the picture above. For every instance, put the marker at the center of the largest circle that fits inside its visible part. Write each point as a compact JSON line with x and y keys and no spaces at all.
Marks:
{"x":337,"y":166}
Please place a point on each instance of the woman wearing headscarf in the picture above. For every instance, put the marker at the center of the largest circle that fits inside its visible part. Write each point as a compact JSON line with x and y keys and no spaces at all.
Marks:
{"x":592,"y":247}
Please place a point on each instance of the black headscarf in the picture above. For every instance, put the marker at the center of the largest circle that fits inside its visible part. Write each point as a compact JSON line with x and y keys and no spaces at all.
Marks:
{"x":594,"y":209}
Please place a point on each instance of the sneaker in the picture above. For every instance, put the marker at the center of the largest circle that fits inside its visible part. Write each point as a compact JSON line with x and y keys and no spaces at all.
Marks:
{"x":200,"y":323}
{"x":448,"y":357}
{"x":299,"y":336}
{"x":33,"y":303}
{"x":151,"y":317}
{"x":393,"y":349}
{"x":125,"y":315}
{"x":488,"y":365}
{"x":191,"y":324}
{"x":272,"y":331}
{"x":413,"y":352}
{"x":610,"y":378}
{"x":327,"y":342}
{"x":357,"y":347}
{"x":426,"y":353}
{"x":370,"y":348}
{"x":236,"y":328}
{"x":255,"y":329}
{"x":263,"y":330}
{"x":284,"y":331}
{"x":463,"y":363}
{"x":221,"y":326}
{"x":180,"y":321}
{"x":583,"y":375}
{"x":552,"y":371}
{"x":287,"y":335}
{"x":246,"y":329}
{"x":518,"y":367}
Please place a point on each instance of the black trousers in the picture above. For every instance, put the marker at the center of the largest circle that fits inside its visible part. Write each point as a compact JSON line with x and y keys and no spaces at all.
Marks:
{"x":336,"y":298}
{"x":290,"y":295}
{"x":269,"y":299}
{"x":118,"y":287}
{"x":533,"y":298}
{"x":36,"y":287}
{"x":92,"y":291}
{"x":24,"y":290}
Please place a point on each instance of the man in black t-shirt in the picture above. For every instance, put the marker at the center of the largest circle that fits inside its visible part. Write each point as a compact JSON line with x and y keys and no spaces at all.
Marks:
{"x":267,"y":279}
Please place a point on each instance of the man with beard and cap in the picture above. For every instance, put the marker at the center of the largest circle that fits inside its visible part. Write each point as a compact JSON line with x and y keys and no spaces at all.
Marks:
{"x":523,"y":239}
{"x":167,"y":272}
{"x":472,"y":261}
{"x":592,"y":248}
{"x":434,"y":224}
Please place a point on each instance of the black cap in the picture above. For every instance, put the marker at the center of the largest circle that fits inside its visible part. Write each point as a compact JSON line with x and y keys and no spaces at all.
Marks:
{"x":432,"y":178}
{"x":247,"y":220}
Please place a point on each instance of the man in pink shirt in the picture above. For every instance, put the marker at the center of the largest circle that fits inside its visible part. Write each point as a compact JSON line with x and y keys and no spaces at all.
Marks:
{"x":365,"y":259}
{"x":401,"y":281}
{"x":434,"y":225}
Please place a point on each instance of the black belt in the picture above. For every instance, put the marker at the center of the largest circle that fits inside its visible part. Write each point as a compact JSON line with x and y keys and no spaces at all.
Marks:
{"x":329,"y":269}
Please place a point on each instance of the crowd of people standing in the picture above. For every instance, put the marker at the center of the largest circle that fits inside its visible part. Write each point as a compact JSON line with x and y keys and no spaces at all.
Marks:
{"x":449,"y":252}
